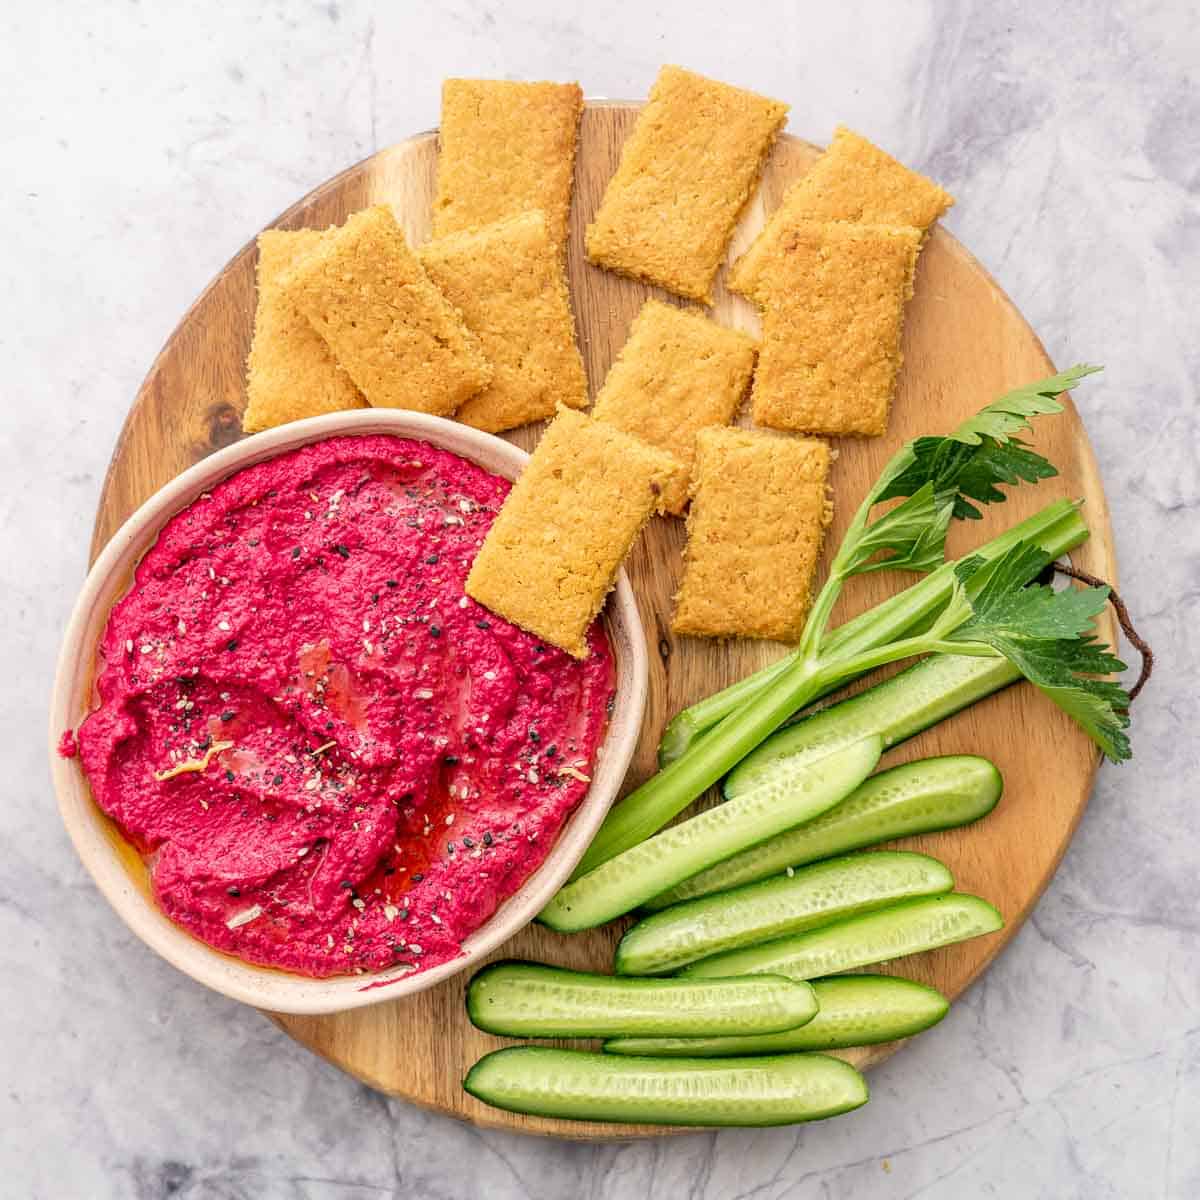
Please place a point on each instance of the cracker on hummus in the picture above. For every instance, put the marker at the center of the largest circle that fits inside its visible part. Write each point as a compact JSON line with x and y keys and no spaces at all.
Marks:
{"x":552,"y":554}
{"x":685,"y":175}
{"x":397,"y":337}
{"x":830,"y":356}
{"x":290,"y":373}
{"x":506,"y":148}
{"x":852,"y":181}
{"x":507,"y":281}
{"x":754,"y":531}
{"x":677,"y":373}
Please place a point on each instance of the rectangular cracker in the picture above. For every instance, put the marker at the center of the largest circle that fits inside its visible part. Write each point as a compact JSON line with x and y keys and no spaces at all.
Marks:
{"x":552,"y":554}
{"x":506,"y":148}
{"x":677,"y":373}
{"x":290,"y":373}
{"x":852,"y":181}
{"x":754,"y":532}
{"x":835,"y":297}
{"x":507,"y":281}
{"x":686,"y":172}
{"x":397,"y":337}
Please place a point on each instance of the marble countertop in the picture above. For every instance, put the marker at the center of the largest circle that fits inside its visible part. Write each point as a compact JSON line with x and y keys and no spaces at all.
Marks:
{"x":144,"y":143}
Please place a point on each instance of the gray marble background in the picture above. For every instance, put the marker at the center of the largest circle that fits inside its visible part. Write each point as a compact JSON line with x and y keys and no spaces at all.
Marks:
{"x":144,"y":143}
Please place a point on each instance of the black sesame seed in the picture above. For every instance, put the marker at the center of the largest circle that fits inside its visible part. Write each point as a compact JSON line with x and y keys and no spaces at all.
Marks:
{"x":450,"y":847}
{"x":451,"y":760}
{"x":345,"y":884}
{"x":418,"y":877}
{"x":295,"y":551}
{"x":483,"y":624}
{"x":229,"y":776}
{"x":232,"y":644}
{"x":391,"y":583}
{"x":487,"y":839}
{"x":233,"y":891}
{"x":534,"y":736}
{"x":469,"y":843}
{"x":432,"y":560}
{"x":403,"y":914}
{"x":228,"y":715}
{"x":374,"y":597}
{"x":342,"y":550}
{"x":277,"y":781}
{"x":435,"y":631}
{"x":551,"y":750}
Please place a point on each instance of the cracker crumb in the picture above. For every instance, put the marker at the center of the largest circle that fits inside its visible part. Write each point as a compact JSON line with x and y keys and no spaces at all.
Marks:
{"x":830,"y":356}
{"x":396,"y":335}
{"x":506,"y":148}
{"x":677,"y":373}
{"x":754,"y":532}
{"x":507,"y":280}
{"x":686,"y":172}
{"x":853,"y":180}
{"x":290,"y":373}
{"x":552,"y":554}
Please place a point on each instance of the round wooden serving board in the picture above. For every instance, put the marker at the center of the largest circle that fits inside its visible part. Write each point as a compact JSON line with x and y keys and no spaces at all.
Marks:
{"x":964,"y":344}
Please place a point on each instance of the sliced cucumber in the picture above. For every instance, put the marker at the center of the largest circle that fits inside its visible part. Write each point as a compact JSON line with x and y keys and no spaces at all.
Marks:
{"x":758,"y":912}
{"x":794,"y":792}
{"x":576,"y":1085}
{"x":896,"y":709}
{"x":521,"y":999}
{"x":855,"y":1010}
{"x":918,"y":797}
{"x":906,"y":928}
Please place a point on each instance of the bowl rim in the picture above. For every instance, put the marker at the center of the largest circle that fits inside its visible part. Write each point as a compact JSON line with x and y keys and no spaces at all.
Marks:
{"x":90,"y":830}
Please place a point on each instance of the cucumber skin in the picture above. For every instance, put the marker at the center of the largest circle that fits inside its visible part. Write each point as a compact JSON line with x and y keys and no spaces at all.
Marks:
{"x":834,"y":833}
{"x":781,"y":1004}
{"x":496,"y":1080}
{"x":925,"y":1007}
{"x":787,"y":955}
{"x":896,"y":709}
{"x":641,"y":952}
{"x":666,"y":859}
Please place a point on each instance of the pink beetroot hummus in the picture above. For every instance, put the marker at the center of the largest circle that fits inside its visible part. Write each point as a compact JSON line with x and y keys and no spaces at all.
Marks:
{"x":332,"y":759}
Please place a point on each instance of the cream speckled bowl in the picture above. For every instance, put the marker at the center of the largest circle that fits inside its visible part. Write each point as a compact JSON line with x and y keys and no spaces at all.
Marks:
{"x":116,"y":867}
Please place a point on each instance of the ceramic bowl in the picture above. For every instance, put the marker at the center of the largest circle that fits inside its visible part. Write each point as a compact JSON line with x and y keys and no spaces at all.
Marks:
{"x":114,"y":864}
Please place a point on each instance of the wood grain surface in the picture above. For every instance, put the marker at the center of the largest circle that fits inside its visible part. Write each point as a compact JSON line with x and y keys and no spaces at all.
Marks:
{"x":964,"y":344}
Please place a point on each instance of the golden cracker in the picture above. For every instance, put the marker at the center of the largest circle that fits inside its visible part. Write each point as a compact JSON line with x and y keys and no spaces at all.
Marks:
{"x":552,"y":554}
{"x":830,"y":356}
{"x":290,"y":373}
{"x":686,"y":172}
{"x":852,"y":181}
{"x":507,"y":281}
{"x":506,"y":148}
{"x":754,"y":532}
{"x":393,"y":332}
{"x":677,"y":373}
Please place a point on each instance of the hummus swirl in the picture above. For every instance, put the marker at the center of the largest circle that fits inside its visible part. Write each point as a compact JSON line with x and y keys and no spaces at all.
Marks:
{"x":332,"y":759}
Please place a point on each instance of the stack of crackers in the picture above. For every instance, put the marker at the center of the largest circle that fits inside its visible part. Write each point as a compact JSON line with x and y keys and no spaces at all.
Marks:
{"x":477,"y":325}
